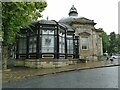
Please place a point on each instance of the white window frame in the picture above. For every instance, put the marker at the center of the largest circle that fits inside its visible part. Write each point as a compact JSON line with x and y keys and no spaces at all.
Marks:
{"x":86,"y":43}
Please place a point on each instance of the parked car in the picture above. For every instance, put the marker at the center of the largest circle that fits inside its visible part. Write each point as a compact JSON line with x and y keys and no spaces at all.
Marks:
{"x":116,"y":56}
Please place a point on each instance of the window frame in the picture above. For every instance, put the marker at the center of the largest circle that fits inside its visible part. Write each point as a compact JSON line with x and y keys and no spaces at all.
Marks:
{"x":86,"y":43}
{"x":69,"y":40}
{"x":33,"y":42}
{"x":51,"y":38}
{"x":22,"y":47}
{"x":62,"y":43}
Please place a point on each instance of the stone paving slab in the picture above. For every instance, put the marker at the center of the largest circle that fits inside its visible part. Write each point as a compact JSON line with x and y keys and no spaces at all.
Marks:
{"x":18,"y":73}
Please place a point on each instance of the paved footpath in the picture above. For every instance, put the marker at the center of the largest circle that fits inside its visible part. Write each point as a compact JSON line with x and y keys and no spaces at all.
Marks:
{"x":18,"y":73}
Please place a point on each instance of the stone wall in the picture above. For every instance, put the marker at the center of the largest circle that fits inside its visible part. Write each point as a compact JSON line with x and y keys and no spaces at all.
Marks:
{"x":37,"y":63}
{"x":94,"y":41}
{"x":20,"y":62}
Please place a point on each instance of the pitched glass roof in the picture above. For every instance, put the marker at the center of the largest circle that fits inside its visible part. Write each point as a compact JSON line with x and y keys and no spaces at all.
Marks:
{"x":46,"y":22}
{"x":69,"y":28}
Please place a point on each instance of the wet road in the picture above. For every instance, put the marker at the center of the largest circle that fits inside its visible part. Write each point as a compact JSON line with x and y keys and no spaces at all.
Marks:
{"x":92,"y":78}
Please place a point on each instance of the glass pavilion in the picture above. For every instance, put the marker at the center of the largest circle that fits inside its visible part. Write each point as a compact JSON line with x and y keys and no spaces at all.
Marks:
{"x":47,"y":39}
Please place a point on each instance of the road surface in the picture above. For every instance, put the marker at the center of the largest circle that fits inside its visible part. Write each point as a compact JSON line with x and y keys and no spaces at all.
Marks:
{"x":106,"y":77}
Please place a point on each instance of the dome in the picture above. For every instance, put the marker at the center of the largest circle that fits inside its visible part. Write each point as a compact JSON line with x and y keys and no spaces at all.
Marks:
{"x":72,"y":15}
{"x":81,"y":20}
{"x":73,"y":11}
{"x":74,"y":18}
{"x":68,"y":19}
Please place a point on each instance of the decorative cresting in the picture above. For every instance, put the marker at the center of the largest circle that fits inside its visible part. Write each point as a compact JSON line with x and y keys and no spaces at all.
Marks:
{"x":73,"y":11}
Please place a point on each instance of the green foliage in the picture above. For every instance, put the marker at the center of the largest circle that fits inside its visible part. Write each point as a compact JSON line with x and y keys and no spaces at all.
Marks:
{"x":112,"y":42}
{"x":104,"y":41}
{"x":118,"y":43}
{"x":16,"y":15}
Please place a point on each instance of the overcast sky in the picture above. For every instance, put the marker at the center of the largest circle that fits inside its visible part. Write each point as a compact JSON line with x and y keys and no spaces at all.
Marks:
{"x":103,"y":12}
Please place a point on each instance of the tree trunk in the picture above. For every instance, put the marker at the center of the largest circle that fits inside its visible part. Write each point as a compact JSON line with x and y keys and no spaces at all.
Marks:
{"x":4,"y":57}
{"x":0,"y":55}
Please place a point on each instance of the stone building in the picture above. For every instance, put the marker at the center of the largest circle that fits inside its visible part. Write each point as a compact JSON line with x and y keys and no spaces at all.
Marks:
{"x":90,"y":38}
{"x":48,"y":43}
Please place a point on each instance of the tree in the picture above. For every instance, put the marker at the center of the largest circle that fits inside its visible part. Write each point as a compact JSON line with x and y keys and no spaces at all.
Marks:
{"x":104,"y":41}
{"x":16,"y":15}
{"x":112,"y":40}
{"x":118,"y":43}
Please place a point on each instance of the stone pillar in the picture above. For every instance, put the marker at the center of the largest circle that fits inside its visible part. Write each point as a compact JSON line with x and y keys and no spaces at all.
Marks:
{"x":101,"y":46}
{"x":94,"y":46}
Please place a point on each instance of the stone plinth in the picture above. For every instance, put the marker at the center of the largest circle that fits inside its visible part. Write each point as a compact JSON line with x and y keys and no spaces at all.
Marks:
{"x":19,"y":62}
{"x":36,"y":63}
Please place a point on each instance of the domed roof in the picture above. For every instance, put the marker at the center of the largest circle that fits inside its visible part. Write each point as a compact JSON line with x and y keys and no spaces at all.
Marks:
{"x":73,"y":17}
{"x":73,"y":11}
{"x":68,"y":19}
{"x":76,"y":19}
